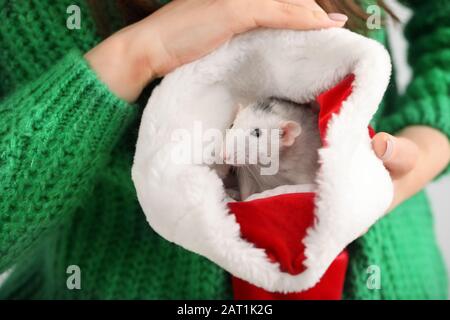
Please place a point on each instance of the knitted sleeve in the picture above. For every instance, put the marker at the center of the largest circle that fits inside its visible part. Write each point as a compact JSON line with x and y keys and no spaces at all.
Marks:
{"x":427,"y":98}
{"x":56,"y":133}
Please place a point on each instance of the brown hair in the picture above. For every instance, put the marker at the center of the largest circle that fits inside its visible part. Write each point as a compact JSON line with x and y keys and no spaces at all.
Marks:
{"x":135,"y":10}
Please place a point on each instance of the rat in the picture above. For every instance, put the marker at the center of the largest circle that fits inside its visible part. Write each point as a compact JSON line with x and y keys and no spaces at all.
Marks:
{"x":273,"y":134}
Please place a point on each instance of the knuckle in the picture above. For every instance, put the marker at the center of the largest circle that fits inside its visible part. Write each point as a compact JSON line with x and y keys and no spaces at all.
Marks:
{"x":236,"y":7}
{"x":241,"y":13}
{"x":286,"y":8}
{"x":319,"y":15}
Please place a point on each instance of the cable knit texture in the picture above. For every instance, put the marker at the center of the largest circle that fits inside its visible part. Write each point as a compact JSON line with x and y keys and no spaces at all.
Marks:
{"x":66,"y":148}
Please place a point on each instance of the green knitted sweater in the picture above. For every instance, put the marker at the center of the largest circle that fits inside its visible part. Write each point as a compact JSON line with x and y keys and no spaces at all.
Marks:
{"x":66,"y":196}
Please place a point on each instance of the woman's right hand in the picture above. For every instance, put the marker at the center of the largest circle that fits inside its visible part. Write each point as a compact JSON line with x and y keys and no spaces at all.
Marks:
{"x":185,"y":30}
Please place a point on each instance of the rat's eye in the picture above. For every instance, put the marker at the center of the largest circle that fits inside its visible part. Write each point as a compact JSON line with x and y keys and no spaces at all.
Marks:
{"x":256,"y":132}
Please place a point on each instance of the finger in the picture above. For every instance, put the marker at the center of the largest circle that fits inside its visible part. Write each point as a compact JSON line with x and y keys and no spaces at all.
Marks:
{"x":309,"y":4}
{"x":278,"y":14}
{"x":399,"y":155}
{"x":314,"y":6}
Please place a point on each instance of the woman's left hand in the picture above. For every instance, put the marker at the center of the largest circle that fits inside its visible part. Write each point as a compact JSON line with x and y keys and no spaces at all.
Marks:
{"x":414,"y":157}
{"x":185,"y":30}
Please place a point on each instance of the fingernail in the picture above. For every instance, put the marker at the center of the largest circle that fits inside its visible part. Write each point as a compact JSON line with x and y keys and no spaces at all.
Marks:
{"x":390,"y":142}
{"x":338,"y":17}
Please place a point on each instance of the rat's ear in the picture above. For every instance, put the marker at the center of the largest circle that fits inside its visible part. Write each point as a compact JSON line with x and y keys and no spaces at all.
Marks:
{"x":290,"y":131}
{"x":240,"y":107}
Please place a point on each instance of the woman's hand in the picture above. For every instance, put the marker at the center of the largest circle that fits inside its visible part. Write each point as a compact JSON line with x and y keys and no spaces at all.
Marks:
{"x":185,"y":30}
{"x":414,"y":157}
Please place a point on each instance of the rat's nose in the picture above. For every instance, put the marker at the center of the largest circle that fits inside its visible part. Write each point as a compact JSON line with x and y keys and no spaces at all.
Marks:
{"x":223,"y":154}
{"x":227,"y":158}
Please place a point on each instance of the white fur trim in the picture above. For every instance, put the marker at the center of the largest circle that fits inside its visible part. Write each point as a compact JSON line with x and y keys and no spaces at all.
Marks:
{"x":287,"y":189}
{"x":185,"y":203}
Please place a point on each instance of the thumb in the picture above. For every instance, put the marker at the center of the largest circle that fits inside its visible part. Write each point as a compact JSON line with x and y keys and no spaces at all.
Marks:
{"x":399,"y":155}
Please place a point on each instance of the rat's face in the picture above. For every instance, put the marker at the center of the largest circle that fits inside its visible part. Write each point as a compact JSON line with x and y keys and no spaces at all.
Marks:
{"x":257,"y":136}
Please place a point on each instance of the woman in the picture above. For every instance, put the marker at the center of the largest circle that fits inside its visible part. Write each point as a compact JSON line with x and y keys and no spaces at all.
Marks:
{"x":68,"y":127}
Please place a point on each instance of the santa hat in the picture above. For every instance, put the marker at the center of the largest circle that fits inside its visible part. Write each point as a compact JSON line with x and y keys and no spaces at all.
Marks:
{"x":283,"y":240}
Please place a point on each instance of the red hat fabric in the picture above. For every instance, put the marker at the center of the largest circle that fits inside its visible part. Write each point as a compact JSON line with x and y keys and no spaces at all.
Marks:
{"x":278,"y":224}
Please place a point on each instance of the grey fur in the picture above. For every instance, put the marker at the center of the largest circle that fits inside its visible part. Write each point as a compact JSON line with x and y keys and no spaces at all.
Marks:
{"x":298,"y":163}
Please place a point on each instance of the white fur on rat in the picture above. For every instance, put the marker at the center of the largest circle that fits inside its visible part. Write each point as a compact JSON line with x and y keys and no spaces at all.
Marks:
{"x":276,"y":128}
